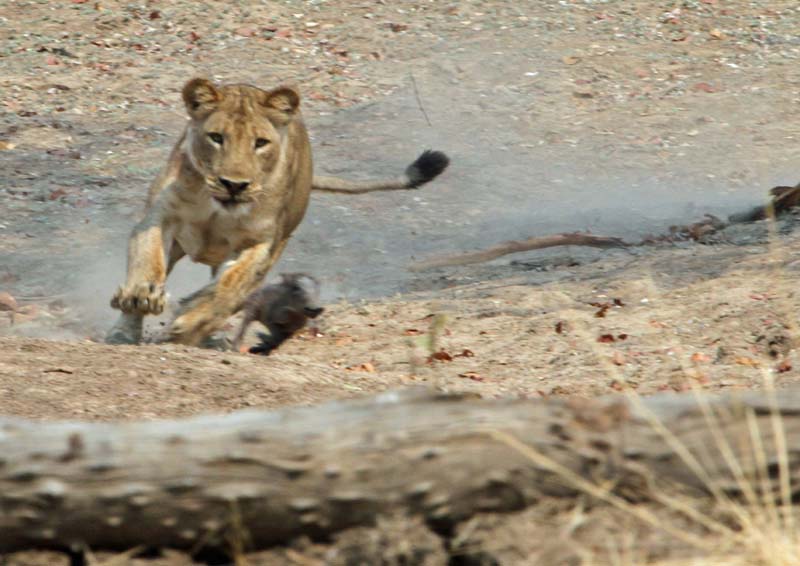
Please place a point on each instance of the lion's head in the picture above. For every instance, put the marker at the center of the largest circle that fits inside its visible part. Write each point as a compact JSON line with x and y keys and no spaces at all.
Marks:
{"x":235,"y":136}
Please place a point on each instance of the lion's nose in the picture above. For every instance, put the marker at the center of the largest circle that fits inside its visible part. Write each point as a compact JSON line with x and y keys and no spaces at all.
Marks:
{"x":234,"y":187}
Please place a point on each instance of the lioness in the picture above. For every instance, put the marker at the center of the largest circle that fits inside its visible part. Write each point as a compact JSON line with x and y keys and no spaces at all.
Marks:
{"x":235,"y":187}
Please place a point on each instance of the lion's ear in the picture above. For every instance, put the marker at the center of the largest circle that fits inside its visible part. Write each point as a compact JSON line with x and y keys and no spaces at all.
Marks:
{"x":282,"y":104}
{"x":200,"y":97}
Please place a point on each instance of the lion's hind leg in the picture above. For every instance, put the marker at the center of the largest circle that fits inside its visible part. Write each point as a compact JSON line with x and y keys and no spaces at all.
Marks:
{"x":206,"y":311}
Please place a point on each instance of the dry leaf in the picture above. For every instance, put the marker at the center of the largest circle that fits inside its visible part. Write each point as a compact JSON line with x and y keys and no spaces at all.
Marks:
{"x":570,"y":60}
{"x":246,"y":31}
{"x":473,"y":375}
{"x":441,"y":355}
{"x":366,"y":366}
{"x":6,"y":145}
{"x":700,"y":358}
{"x":412,"y":332}
{"x":616,"y":385}
{"x":745,"y":361}
{"x":704,"y":87}
{"x":716,"y":34}
{"x":57,"y":194}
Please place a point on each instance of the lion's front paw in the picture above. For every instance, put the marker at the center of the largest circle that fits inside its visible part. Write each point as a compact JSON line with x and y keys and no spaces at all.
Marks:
{"x":141,"y":298}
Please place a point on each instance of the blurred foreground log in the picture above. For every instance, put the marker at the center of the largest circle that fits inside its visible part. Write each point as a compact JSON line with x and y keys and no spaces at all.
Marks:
{"x":265,"y":477}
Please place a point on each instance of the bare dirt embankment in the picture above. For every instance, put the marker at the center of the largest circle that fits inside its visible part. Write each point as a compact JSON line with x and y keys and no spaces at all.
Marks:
{"x":620,"y":117}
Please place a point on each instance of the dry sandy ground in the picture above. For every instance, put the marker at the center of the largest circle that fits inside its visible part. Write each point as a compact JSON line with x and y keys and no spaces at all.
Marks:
{"x":705,"y":89}
{"x":714,"y":316}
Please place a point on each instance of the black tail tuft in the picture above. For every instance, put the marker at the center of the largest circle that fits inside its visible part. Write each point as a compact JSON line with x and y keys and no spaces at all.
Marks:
{"x":427,"y":167}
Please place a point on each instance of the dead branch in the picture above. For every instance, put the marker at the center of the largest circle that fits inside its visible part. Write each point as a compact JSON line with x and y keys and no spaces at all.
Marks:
{"x":516,"y":246}
{"x":783,"y":199}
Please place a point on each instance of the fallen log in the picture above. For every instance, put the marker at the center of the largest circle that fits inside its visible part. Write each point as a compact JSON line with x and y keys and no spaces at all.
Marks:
{"x":516,"y":246}
{"x":266,"y":477}
{"x":783,"y":199}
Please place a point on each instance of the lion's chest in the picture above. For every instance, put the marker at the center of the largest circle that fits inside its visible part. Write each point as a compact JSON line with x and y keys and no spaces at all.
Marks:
{"x":218,"y":235}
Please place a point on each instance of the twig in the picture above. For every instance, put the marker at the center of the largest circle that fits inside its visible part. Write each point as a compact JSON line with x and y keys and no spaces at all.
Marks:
{"x":783,"y":199}
{"x":515,"y":246}
{"x":419,"y":100}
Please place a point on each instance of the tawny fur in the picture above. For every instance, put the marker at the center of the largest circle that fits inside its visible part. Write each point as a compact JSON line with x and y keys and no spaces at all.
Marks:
{"x":235,"y":187}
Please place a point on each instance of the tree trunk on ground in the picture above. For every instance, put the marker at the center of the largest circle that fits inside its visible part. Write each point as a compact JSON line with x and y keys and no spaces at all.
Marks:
{"x":266,"y":477}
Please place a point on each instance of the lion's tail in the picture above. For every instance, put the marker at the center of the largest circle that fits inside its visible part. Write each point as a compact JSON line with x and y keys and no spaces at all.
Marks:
{"x":427,"y":167}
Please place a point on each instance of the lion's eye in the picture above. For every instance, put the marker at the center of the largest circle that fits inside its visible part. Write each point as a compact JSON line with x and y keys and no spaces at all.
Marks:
{"x":216,"y":138}
{"x":261,"y":142}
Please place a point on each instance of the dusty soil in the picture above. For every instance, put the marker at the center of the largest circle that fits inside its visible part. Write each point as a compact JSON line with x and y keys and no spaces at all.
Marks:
{"x":714,"y":316}
{"x":621,"y":117}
